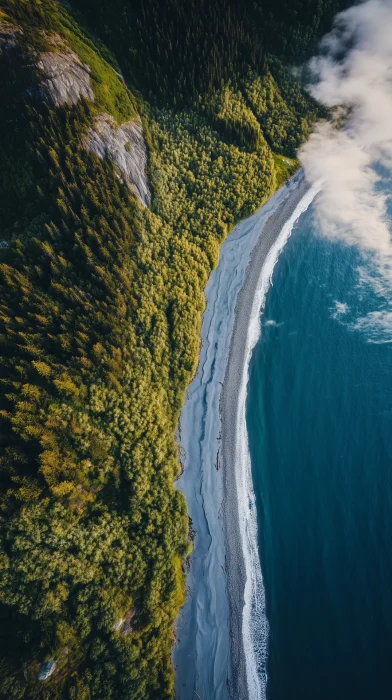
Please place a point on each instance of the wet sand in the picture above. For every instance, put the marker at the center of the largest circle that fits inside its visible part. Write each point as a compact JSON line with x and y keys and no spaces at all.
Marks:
{"x":209,"y":656}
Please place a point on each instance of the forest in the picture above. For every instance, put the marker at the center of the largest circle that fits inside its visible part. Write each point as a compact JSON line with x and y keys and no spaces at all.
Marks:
{"x":100,"y":313}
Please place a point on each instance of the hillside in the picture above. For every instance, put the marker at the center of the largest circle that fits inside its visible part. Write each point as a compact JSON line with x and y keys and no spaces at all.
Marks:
{"x":115,"y":197}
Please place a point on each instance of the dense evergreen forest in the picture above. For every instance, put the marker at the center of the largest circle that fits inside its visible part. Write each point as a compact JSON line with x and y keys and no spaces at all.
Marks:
{"x":180,"y":49}
{"x":100,"y":311}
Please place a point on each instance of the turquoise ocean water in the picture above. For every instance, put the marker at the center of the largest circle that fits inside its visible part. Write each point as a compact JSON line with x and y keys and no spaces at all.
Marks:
{"x":319,"y":417}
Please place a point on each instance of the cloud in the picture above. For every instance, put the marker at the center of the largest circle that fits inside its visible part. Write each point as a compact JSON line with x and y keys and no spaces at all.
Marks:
{"x":377,"y":325}
{"x":354,"y":73}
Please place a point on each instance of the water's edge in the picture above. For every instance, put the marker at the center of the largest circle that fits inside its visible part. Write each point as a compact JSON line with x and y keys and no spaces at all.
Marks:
{"x":248,"y":620}
{"x":208,"y":656}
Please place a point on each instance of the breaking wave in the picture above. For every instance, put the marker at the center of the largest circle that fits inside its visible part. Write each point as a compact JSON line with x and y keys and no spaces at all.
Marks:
{"x":255,"y":629}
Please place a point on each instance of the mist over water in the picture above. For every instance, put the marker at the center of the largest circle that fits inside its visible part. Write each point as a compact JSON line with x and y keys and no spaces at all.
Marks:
{"x":352,"y":76}
{"x":319,"y":418}
{"x":319,"y":401}
{"x":318,"y":409}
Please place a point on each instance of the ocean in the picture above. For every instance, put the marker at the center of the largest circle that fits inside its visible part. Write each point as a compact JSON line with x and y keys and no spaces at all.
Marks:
{"x":319,"y":419}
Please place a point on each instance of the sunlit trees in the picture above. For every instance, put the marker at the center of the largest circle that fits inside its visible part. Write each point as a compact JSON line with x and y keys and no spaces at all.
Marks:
{"x":100,"y":311}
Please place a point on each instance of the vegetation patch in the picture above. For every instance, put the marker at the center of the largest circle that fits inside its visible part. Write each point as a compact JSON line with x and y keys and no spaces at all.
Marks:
{"x":100,"y":312}
{"x":111,"y":94}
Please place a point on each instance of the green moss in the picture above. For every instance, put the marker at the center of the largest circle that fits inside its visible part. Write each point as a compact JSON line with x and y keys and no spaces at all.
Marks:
{"x":41,"y":20}
{"x":110,"y":91}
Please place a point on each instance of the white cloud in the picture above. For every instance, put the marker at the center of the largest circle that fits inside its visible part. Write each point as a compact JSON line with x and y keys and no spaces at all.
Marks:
{"x":353,"y":76}
{"x":354,"y":69}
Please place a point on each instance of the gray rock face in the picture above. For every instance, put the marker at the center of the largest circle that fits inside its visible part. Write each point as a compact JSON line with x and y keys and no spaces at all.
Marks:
{"x":8,"y":36}
{"x":66,"y":79}
{"x":47,"y":669}
{"x":126,"y":148}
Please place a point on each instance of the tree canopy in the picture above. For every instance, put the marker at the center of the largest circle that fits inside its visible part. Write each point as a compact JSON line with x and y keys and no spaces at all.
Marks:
{"x":100,"y":313}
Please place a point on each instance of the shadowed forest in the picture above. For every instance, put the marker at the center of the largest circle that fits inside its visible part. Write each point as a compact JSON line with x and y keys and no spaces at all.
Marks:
{"x":100,"y":312}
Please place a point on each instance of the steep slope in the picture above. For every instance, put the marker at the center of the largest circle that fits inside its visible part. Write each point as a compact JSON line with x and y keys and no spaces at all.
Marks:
{"x":106,"y":247}
{"x":92,"y":528}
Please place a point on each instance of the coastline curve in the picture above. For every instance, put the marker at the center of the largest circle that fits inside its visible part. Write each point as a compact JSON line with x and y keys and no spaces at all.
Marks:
{"x":209,"y":653}
{"x":249,"y":623}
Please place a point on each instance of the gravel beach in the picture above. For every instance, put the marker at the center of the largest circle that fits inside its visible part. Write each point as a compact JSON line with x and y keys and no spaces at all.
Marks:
{"x":209,"y":654}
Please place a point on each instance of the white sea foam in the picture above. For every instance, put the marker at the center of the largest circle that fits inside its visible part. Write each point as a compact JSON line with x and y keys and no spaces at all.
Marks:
{"x":271,"y":322}
{"x":254,"y":620}
{"x":340,"y":309}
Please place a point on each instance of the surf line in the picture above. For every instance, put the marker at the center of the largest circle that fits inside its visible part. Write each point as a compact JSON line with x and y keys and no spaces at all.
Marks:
{"x":255,"y":627}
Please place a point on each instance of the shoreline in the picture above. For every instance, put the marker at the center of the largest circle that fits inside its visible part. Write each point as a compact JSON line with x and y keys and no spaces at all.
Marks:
{"x":249,"y":627}
{"x":209,"y":654}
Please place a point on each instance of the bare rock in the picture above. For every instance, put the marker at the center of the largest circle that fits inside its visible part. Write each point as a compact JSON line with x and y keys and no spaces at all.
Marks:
{"x":125,"y":146}
{"x":129,"y":622}
{"x":8,"y":36}
{"x":126,"y":624}
{"x":47,"y":669}
{"x":65,"y":78}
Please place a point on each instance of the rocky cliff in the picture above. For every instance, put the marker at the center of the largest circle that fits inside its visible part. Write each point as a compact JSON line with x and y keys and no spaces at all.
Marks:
{"x":65,"y":79}
{"x":126,"y":148}
{"x":8,"y":36}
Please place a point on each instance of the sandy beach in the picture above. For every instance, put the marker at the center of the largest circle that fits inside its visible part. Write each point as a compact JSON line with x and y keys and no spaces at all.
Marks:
{"x":209,"y":655}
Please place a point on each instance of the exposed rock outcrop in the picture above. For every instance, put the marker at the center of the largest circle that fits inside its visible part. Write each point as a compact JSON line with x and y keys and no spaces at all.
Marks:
{"x":63,"y":80}
{"x":47,"y":669}
{"x":8,"y":36}
{"x":66,"y":79}
{"x":125,"y":146}
{"x":126,"y":624}
{"x":129,"y":622}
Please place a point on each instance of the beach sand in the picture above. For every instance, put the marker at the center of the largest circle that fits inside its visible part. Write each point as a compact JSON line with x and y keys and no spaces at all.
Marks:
{"x":209,"y":654}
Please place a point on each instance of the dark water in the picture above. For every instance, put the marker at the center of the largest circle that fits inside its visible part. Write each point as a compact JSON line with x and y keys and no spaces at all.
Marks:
{"x":320,"y":431}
